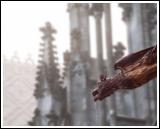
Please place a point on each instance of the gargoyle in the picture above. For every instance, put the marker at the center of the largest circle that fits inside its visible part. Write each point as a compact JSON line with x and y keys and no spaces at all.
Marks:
{"x":136,"y":69}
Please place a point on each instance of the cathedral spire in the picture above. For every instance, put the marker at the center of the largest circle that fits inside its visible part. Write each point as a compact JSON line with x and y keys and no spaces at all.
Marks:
{"x":48,"y":90}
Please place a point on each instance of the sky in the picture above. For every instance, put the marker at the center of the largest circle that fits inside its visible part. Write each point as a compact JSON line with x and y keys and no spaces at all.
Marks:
{"x":21,"y":22}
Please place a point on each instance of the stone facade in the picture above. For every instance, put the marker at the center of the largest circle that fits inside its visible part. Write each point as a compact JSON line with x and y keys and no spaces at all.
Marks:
{"x":141,"y":26}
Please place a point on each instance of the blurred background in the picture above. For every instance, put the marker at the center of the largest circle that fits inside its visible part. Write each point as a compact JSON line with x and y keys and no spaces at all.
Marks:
{"x":54,"y":53}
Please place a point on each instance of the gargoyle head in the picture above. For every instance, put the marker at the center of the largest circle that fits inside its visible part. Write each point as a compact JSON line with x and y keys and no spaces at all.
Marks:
{"x":104,"y":88}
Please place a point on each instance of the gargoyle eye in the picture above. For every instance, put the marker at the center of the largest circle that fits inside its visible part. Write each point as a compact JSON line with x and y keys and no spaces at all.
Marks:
{"x":103,"y":77}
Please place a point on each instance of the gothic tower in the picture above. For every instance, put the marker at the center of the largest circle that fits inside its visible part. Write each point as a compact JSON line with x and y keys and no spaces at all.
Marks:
{"x":48,"y":92}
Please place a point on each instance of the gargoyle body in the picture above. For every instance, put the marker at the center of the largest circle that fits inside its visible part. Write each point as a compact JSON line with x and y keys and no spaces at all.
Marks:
{"x":136,"y":69}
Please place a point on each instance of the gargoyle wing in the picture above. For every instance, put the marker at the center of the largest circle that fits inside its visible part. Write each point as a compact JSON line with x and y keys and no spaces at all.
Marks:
{"x":125,"y":62}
